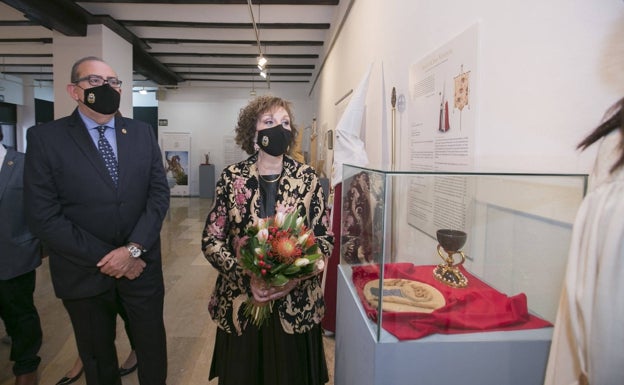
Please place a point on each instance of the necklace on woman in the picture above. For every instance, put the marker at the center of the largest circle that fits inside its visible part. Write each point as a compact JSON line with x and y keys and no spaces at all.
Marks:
{"x":270,"y":180}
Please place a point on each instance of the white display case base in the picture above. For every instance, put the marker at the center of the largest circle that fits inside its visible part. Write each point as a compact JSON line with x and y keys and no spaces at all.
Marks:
{"x":485,"y":358}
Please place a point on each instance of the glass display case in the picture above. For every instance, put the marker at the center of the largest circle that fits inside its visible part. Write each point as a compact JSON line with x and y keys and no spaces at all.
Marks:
{"x":465,"y":264}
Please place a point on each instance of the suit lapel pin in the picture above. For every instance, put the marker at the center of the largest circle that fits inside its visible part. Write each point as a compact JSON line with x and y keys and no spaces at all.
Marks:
{"x":123,"y":131}
{"x":10,"y":163}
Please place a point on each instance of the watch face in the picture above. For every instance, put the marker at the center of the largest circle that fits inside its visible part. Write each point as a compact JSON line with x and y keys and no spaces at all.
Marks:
{"x":134,"y":251}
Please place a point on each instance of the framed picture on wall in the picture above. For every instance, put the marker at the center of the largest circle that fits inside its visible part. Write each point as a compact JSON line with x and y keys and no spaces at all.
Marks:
{"x":176,"y":154}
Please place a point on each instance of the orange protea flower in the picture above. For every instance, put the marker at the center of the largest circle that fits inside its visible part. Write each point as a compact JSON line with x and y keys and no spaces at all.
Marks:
{"x":310,"y":241}
{"x":285,"y":249}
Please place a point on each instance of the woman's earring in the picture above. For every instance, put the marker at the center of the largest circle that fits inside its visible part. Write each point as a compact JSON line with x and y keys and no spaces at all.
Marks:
{"x":256,"y":147}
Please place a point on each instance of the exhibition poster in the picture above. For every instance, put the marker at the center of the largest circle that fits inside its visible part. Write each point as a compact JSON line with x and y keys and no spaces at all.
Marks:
{"x":442,"y":112}
{"x":176,"y":149}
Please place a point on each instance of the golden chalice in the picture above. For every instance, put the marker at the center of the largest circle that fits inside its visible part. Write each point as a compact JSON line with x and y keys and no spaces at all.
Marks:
{"x":451,"y":241}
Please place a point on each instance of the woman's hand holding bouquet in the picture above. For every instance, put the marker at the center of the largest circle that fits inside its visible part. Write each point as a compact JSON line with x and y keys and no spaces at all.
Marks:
{"x":279,"y":252}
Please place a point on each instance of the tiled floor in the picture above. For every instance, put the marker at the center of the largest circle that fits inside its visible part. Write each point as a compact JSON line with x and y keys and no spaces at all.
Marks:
{"x":190,"y":331}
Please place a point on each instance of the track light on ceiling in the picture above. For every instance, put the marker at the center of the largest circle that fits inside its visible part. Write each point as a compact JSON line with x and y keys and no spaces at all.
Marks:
{"x":262,"y":61}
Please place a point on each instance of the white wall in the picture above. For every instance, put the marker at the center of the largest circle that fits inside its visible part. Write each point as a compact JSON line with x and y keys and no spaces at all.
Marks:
{"x":210,"y":114}
{"x":549,"y":70}
{"x":44,"y":92}
{"x":147,"y":100}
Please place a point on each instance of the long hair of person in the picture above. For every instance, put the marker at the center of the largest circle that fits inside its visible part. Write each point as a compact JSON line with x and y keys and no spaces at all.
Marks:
{"x":614,"y":120}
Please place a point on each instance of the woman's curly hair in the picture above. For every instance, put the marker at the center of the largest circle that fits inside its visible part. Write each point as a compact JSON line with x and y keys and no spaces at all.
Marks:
{"x":248,"y":119}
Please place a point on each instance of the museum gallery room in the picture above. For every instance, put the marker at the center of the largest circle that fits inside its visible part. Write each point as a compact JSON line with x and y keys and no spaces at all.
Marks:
{"x":444,"y":147}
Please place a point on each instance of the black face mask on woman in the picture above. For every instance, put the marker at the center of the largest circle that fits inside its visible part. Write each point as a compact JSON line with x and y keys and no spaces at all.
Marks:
{"x":275,"y":140}
{"x":103,"y":99}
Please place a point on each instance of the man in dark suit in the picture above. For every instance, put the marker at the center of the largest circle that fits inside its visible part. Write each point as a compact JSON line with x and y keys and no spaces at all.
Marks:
{"x":19,"y":257}
{"x":96,"y":194}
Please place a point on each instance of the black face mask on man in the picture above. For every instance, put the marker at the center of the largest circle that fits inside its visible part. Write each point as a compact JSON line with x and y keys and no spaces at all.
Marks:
{"x":103,"y":99}
{"x":274,"y":140}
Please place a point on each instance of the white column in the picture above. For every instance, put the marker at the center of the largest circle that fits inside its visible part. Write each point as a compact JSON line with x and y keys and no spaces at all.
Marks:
{"x":25,"y":112}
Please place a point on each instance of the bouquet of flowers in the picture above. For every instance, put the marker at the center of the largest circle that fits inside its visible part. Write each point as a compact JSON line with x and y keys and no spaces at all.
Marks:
{"x":279,"y":248}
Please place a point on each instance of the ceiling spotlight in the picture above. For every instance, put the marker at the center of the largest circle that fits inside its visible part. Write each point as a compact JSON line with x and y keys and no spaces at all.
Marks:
{"x":143,"y":91}
{"x":262,"y":61}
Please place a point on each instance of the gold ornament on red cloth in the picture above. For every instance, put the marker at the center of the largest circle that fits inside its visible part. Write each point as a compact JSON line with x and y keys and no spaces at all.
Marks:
{"x":403,"y":295}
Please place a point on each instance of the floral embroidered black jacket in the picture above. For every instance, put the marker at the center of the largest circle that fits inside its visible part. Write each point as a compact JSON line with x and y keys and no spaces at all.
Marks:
{"x":236,"y":207}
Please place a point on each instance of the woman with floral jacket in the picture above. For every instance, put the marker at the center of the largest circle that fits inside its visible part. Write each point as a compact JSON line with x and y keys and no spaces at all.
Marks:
{"x":288,"y":349}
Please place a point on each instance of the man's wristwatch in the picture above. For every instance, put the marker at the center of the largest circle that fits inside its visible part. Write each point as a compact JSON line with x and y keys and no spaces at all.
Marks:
{"x":135,"y":252}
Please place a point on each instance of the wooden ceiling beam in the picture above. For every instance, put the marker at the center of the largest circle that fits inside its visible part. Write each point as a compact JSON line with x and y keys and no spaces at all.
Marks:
{"x":70,"y":19}
{"x":192,"y":24}
{"x":265,"y":43}
{"x":63,"y":16}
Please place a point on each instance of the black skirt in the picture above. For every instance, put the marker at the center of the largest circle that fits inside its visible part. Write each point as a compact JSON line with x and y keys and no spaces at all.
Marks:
{"x":269,"y":356}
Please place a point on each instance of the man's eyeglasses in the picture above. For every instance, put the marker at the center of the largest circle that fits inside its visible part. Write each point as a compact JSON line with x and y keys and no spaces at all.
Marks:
{"x":97,"y":80}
